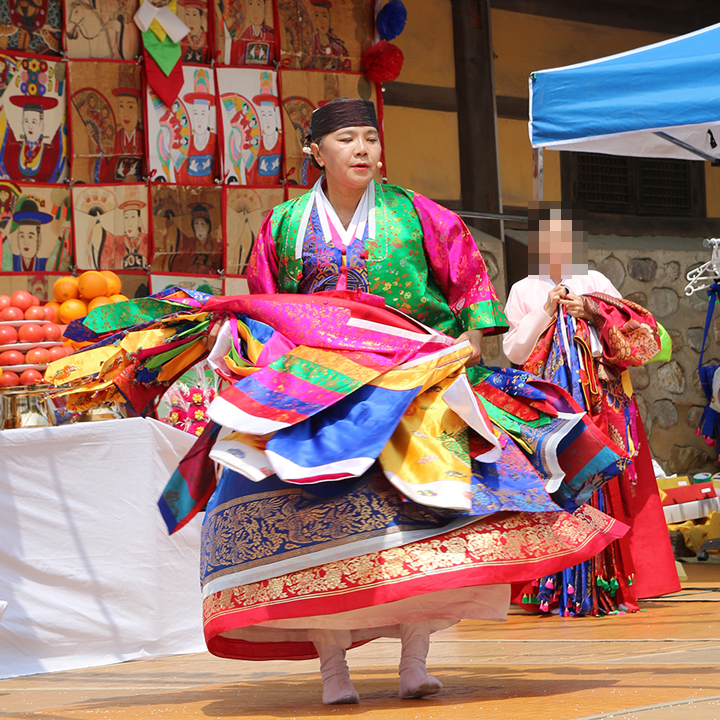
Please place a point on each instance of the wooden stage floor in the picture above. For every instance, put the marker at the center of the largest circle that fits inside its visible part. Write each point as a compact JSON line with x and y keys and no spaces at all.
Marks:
{"x":658,"y":664}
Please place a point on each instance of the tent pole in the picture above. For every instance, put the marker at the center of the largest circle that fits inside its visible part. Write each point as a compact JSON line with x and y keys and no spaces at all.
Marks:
{"x":537,"y":173}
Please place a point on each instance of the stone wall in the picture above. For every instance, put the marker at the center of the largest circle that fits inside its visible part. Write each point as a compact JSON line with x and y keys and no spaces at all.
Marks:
{"x":652,"y":272}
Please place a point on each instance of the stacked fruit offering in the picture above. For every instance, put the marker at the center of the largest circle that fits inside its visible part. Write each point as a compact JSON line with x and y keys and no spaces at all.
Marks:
{"x":76,"y":296}
{"x":29,"y":339}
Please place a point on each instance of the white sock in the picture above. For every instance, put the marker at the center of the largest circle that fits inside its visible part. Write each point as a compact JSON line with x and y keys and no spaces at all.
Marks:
{"x":414,"y":680}
{"x":337,"y":686}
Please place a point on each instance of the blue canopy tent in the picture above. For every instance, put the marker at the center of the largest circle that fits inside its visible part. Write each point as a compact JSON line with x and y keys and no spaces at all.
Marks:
{"x":661,"y":101}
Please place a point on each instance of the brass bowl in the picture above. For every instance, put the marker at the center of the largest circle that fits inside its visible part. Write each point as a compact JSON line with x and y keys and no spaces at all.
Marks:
{"x":26,"y":407}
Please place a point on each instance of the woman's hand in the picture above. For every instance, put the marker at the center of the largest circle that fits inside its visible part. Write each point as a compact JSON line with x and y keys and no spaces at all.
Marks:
{"x":474,"y":337}
{"x":553,"y":298}
{"x":575,"y":307}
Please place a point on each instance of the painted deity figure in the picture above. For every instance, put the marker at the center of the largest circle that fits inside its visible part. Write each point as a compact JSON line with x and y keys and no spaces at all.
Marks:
{"x":257,"y":41}
{"x":30,"y":28}
{"x":131,"y":250}
{"x":28,"y":252}
{"x":194,"y":44}
{"x":89,"y":34}
{"x":126,"y":162}
{"x":266,"y":170}
{"x":329,"y":51}
{"x":198,"y":168}
{"x":30,"y":157}
{"x":201,"y":253}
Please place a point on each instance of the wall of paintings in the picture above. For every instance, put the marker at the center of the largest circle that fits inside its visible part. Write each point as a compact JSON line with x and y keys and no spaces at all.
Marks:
{"x":164,"y":188}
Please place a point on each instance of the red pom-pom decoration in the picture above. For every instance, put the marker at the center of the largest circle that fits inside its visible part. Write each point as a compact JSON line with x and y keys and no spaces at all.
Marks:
{"x":383,"y":62}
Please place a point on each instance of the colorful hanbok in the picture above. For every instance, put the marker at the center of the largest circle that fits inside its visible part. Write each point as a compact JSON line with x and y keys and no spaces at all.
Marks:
{"x":590,"y":360}
{"x":309,"y":535}
{"x":366,"y":479}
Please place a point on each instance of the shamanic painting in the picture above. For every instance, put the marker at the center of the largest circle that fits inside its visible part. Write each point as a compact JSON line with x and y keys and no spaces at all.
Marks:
{"x":325,"y":34}
{"x":107,"y":122}
{"x":244,"y":32}
{"x":245,"y":211}
{"x":35,"y":228}
{"x":183,"y":138}
{"x":96,"y":29}
{"x":111,"y":227}
{"x":252,"y":128}
{"x":195,"y":46}
{"x":31,"y":26}
{"x":187,"y":229}
{"x":32,"y":120}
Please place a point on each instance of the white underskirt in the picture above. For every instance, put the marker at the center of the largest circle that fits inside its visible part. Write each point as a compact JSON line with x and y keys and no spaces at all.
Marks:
{"x":436,"y":611}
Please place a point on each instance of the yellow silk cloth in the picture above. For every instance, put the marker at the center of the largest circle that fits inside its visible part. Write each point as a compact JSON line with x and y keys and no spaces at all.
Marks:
{"x":430,"y":434}
{"x":696,"y":533}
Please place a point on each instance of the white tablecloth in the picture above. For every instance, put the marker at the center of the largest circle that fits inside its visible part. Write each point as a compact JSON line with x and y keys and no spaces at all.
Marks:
{"x":87,"y":568}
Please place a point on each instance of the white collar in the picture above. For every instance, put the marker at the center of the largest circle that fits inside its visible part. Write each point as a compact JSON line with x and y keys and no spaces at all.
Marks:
{"x":355,"y":228}
{"x":364,"y":213}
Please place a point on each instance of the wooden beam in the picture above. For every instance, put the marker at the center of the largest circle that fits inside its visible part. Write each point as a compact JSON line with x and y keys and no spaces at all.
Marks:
{"x":477,"y":126}
{"x":661,"y":16}
{"x":642,"y":226}
{"x":513,"y":108}
{"x":423,"y":97}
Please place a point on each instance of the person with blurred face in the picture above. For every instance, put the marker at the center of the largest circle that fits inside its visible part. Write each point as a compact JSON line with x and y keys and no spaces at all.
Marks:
{"x":569,"y":324}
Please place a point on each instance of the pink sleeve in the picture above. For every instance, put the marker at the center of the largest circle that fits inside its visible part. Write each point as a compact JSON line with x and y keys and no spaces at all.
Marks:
{"x":262,"y":274}
{"x":527,"y":321}
{"x":458,"y":268}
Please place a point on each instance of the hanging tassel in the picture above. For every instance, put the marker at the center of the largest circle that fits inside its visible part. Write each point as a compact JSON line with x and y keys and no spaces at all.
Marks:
{"x":390,"y":21}
{"x":383,"y":62}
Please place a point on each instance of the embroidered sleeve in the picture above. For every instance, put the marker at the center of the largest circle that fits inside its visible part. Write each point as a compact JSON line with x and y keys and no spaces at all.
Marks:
{"x":262,"y":275}
{"x":458,"y":268}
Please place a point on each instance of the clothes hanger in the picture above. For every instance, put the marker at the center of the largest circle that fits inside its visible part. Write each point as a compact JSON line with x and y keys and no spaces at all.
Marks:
{"x":704,"y":276}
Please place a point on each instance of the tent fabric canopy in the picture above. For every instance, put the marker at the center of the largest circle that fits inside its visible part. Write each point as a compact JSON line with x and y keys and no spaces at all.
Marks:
{"x":646,"y":102}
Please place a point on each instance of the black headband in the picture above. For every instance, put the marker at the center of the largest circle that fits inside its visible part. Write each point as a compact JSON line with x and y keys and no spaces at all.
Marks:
{"x":341,"y":113}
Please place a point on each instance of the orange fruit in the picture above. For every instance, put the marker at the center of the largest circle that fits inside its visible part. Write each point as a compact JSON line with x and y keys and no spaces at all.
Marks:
{"x":92,"y":284}
{"x":65,"y":288}
{"x":97,"y":302}
{"x":114,"y":282}
{"x":117,"y":298}
{"x":71,"y":310}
